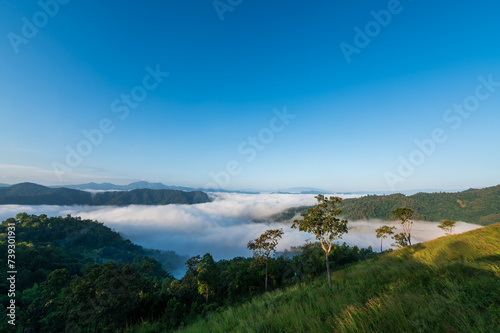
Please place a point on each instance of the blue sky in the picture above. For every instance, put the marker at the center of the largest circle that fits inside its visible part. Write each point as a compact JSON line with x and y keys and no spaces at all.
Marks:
{"x":219,"y":117}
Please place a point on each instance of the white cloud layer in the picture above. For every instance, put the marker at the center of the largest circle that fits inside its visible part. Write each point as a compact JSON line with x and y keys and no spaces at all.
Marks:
{"x":222,"y":227}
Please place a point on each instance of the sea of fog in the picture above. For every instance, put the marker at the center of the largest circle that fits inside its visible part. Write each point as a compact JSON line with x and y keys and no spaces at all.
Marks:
{"x":222,"y":227}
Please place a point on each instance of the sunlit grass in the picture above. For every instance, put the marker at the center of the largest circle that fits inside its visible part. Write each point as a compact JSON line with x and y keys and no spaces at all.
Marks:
{"x":451,"y":284}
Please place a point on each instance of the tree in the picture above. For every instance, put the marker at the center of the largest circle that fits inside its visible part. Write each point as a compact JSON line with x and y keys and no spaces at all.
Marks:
{"x":447,"y":226}
{"x":383,"y":232}
{"x":104,"y":295}
{"x":264,"y":245}
{"x":207,"y":276}
{"x":44,"y":312}
{"x":321,"y":221}
{"x":400,"y":240}
{"x":186,"y":290}
{"x":404,"y":215}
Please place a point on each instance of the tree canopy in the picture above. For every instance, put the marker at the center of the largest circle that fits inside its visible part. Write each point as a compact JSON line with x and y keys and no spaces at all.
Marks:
{"x":264,"y":245}
{"x":447,"y":226}
{"x":323,"y":223}
{"x":383,"y":232}
{"x":405,"y":215}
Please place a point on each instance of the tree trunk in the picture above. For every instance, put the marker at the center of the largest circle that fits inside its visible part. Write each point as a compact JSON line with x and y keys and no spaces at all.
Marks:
{"x":380,"y":244}
{"x":266,"y":273}
{"x":206,"y":296}
{"x":328,"y":271}
{"x":95,"y":326}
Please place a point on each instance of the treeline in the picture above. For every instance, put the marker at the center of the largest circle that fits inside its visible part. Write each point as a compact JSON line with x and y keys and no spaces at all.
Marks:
{"x":79,"y":276}
{"x":473,"y":206}
{"x":34,"y":194}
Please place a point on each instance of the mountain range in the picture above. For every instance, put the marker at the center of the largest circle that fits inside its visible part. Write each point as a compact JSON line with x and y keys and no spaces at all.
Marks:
{"x":34,"y":194}
{"x":292,"y":190}
{"x":143,"y":185}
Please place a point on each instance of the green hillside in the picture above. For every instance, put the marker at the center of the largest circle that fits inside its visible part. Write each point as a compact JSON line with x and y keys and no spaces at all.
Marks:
{"x":474,"y":206}
{"x":49,"y":243}
{"x":34,"y":194}
{"x":451,"y":284}
{"x":149,"y":197}
{"x":57,"y":253}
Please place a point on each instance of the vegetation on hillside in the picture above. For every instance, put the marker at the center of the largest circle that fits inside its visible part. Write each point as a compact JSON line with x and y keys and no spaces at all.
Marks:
{"x":79,"y":276}
{"x":447,"y":226}
{"x":473,"y":206}
{"x":263,"y":246}
{"x":34,"y":194}
{"x":322,"y":222}
{"x":45,"y":244}
{"x":451,"y":284}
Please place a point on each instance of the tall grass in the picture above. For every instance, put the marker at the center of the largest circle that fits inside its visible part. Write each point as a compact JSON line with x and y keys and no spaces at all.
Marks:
{"x":451,"y":284}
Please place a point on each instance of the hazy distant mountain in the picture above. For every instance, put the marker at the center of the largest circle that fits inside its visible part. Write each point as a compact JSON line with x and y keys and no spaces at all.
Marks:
{"x":160,"y":186}
{"x":34,"y":194}
{"x":211,"y":190}
{"x":132,"y":186}
{"x":405,"y":192}
{"x":315,"y":192}
{"x":304,"y":190}
{"x":144,"y":185}
{"x":4,"y":185}
{"x":311,"y":190}
{"x":93,"y":186}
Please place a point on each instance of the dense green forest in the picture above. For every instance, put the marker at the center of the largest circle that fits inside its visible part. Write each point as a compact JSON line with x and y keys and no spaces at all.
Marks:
{"x":34,"y":194}
{"x":474,"y":206}
{"x":78,"y":275}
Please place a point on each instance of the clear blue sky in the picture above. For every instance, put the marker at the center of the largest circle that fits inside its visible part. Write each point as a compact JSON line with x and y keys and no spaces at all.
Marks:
{"x":359,"y":101}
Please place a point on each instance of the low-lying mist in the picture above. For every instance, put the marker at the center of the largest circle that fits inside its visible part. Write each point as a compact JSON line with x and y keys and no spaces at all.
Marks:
{"x":222,"y":227}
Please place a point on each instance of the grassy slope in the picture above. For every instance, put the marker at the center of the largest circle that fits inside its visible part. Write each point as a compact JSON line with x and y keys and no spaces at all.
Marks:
{"x":451,"y":284}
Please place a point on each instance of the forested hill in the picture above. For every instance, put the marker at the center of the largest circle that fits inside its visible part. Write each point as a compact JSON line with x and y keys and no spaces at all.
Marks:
{"x":34,"y":194}
{"x":48,"y":243}
{"x":474,"y":206}
{"x":87,"y":257}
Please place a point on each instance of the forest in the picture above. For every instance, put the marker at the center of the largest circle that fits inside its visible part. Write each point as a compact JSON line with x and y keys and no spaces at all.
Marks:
{"x":480,"y":206}
{"x":34,"y":194}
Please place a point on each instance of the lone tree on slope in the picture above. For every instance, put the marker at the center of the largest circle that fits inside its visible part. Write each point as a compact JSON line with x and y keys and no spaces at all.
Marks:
{"x":404,"y":215}
{"x":447,"y":226}
{"x":383,"y":232}
{"x":400,"y":240}
{"x":265,"y":244}
{"x":322,"y":221}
